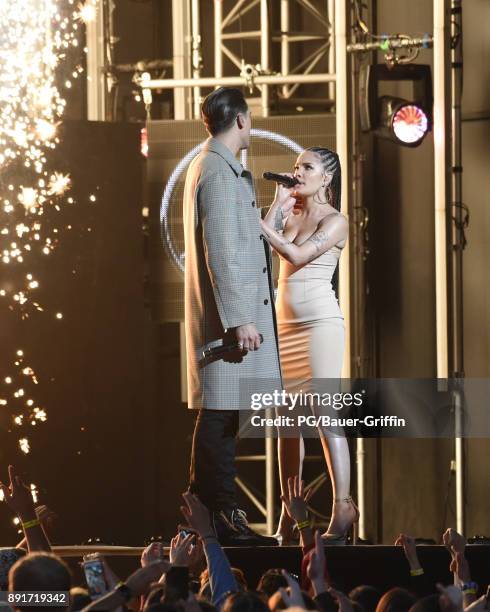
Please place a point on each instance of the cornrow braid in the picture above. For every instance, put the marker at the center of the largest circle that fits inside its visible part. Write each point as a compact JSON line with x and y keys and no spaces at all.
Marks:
{"x":331,"y":164}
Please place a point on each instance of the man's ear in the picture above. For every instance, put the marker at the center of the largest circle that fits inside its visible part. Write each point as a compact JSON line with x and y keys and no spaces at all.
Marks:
{"x":240,"y":121}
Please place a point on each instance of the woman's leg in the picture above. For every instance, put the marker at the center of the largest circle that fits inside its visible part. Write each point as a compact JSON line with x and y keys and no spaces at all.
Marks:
{"x":294,"y":343}
{"x":337,"y":457}
{"x":326,"y":354}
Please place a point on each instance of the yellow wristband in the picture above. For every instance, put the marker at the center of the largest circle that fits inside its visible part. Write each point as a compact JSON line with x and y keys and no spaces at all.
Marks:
{"x":303,"y":525}
{"x":29,"y":524}
{"x":416,"y":572}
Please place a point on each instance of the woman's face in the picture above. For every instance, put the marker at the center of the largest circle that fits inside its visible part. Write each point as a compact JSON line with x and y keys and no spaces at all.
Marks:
{"x":311,"y":175}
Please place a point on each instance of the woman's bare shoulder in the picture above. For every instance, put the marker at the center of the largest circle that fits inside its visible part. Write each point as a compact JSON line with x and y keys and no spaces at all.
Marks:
{"x":335,"y":219}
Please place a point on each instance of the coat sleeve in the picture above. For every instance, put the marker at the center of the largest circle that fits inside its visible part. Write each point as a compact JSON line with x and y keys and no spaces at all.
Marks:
{"x":234,"y":293}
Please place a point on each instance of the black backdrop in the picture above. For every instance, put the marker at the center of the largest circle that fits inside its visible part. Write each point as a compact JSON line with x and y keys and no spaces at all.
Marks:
{"x":87,"y":458}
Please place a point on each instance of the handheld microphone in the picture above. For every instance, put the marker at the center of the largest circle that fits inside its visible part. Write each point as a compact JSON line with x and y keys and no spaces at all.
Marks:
{"x":288,"y":181}
{"x":219,"y":351}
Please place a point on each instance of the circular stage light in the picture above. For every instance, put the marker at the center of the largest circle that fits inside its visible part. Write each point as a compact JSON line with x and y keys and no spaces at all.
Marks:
{"x":410,"y":124}
{"x":176,"y":255}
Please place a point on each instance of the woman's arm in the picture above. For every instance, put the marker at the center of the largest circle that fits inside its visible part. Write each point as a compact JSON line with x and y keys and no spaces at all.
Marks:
{"x":280,"y":208}
{"x":329,"y":233}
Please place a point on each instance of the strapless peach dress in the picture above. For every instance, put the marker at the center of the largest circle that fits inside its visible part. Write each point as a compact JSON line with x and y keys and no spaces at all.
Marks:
{"x":310,"y":324}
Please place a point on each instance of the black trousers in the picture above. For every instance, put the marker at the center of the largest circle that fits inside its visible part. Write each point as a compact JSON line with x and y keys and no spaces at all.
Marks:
{"x":212,"y":473}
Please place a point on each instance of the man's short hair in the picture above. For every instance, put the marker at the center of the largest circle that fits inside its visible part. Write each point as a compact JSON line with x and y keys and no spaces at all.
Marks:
{"x":39,"y":572}
{"x":220,"y":108}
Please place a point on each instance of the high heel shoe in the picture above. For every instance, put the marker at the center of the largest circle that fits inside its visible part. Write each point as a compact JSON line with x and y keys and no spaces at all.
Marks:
{"x":288,"y":536}
{"x":340,"y":539}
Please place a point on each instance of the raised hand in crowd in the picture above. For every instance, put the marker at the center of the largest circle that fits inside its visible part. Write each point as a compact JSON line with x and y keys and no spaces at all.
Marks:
{"x":112,"y":579}
{"x":410,"y":550}
{"x":19,"y":499}
{"x":295,"y":502}
{"x":197,"y":559}
{"x":47,"y":518}
{"x":293,"y":596}
{"x":450,"y":599}
{"x":181,"y":548}
{"x":460,"y":568}
{"x":197,"y":515}
{"x":153,"y":552}
{"x":221,"y":578}
{"x":138,"y":583}
{"x":453,"y":541}
{"x":316,"y":566}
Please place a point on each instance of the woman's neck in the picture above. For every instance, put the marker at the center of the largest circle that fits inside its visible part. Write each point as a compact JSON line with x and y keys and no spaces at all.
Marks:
{"x":312,"y":205}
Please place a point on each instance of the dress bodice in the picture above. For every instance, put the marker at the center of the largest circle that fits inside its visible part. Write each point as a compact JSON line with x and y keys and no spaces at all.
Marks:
{"x":305,"y":293}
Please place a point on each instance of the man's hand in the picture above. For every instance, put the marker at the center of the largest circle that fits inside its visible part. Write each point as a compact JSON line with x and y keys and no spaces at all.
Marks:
{"x":18,"y":497}
{"x":295,"y":501}
{"x":410,"y":549}
{"x":180,"y":549}
{"x":196,"y":514}
{"x":247,"y":336}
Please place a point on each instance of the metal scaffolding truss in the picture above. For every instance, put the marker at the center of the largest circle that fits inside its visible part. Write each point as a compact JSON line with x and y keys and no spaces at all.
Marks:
{"x":224,"y":38}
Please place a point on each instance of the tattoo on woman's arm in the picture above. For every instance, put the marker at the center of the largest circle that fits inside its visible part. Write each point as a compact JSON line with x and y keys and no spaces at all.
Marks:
{"x":278,"y":219}
{"x":319,"y":239}
{"x":282,"y":241}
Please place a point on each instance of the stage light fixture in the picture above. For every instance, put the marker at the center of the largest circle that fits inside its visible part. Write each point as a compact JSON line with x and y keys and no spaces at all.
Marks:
{"x":405,"y":121}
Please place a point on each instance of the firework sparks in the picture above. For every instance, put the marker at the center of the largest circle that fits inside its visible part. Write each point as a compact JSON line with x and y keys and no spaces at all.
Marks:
{"x":59,"y":183}
{"x":87,"y":11}
{"x":35,"y":38}
{"x":17,"y":392}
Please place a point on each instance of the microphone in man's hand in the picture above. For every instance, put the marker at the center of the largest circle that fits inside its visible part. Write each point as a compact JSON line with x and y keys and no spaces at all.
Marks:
{"x":288,"y":181}
{"x":220,"y":351}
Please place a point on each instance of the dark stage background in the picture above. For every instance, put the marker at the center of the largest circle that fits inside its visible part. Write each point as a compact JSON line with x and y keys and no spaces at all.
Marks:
{"x":89,"y":458}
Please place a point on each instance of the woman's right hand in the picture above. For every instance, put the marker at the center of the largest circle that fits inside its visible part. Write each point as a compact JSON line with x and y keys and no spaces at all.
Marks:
{"x":284,"y":196}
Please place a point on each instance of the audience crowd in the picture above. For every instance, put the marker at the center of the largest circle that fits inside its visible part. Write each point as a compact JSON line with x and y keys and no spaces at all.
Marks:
{"x":197,"y":576}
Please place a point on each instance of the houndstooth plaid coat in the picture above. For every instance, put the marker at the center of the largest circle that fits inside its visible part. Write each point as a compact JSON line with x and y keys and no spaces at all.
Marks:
{"x":228,"y":282}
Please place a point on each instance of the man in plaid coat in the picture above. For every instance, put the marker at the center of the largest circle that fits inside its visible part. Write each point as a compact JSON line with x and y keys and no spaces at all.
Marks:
{"x":229,"y":299}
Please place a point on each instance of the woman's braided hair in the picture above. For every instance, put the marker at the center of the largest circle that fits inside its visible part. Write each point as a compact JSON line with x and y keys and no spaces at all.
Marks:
{"x":331,"y":164}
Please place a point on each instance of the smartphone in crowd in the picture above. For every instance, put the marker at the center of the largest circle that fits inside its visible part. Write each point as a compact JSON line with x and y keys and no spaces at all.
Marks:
{"x":95,"y":578}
